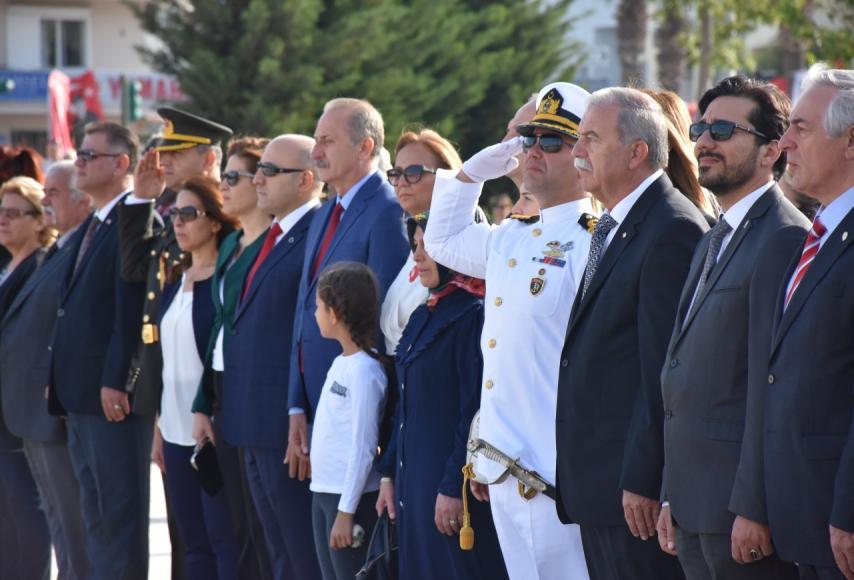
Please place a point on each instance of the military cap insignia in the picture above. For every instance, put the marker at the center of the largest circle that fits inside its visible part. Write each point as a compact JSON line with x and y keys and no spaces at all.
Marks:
{"x":537,"y":285}
{"x":550,"y":104}
{"x":525,"y":219}
{"x":588,"y":222}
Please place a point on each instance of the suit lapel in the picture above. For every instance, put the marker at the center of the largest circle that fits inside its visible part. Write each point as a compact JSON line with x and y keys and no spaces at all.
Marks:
{"x":689,"y":289}
{"x":836,"y":244}
{"x":626,"y":231}
{"x":47,"y":268}
{"x":280,"y":250}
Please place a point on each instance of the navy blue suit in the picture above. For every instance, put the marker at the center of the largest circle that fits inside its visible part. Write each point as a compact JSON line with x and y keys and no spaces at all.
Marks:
{"x":371,"y":232}
{"x":96,"y":331}
{"x":439,"y":368}
{"x":254,"y":407}
{"x":809,"y":406}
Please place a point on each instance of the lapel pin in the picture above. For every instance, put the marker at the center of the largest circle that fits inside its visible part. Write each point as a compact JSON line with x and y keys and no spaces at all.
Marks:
{"x":624,"y":235}
{"x":844,"y":236}
{"x":109,"y":221}
{"x":746,"y":224}
{"x":291,"y":240}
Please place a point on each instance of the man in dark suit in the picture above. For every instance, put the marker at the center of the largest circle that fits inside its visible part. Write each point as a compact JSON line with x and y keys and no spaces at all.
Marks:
{"x":361,"y":223}
{"x":90,"y":353}
{"x":808,"y":435}
{"x":25,"y":333}
{"x":609,"y":416}
{"x":718,"y":336}
{"x":255,"y":392}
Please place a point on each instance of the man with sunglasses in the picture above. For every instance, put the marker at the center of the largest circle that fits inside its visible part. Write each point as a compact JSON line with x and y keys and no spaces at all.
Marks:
{"x":721,"y":337}
{"x":255,"y":376}
{"x":532,"y":270}
{"x":90,"y":352}
{"x":609,"y":415}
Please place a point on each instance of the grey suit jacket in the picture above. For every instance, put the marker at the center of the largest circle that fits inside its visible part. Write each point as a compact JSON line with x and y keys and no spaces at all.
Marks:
{"x":705,"y":374}
{"x":25,"y":333}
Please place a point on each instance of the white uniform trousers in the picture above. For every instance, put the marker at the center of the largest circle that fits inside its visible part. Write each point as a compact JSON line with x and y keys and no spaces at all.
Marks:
{"x":535,"y":544}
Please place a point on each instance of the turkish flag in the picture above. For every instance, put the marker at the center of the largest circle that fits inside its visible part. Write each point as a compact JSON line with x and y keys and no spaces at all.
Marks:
{"x":85,"y":89}
{"x":59,"y":100}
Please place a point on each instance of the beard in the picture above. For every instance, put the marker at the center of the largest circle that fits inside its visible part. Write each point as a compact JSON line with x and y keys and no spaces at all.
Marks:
{"x":731,"y":178}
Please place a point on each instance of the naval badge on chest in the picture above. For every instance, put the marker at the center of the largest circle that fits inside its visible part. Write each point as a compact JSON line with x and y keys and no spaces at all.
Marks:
{"x":537,"y":285}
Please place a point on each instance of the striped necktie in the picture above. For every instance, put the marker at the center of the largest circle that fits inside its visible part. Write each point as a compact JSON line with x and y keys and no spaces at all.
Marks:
{"x":811,"y":247}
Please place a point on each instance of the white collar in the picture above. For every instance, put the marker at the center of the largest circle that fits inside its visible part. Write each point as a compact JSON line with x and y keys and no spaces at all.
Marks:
{"x":735,"y":215}
{"x":624,"y":206}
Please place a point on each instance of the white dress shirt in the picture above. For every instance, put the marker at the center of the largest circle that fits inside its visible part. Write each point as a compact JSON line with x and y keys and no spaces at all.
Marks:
{"x":532,"y":272}
{"x":621,"y":210}
{"x":346,"y":429}
{"x":182,"y":369}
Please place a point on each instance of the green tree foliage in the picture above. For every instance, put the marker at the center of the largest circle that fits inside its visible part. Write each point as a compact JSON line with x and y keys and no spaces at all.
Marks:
{"x":268,"y":66}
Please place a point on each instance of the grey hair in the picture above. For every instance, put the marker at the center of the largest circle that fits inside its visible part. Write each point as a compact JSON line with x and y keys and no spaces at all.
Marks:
{"x":840,"y":112}
{"x":365,"y":121}
{"x":640,"y":118}
{"x":65,"y":169}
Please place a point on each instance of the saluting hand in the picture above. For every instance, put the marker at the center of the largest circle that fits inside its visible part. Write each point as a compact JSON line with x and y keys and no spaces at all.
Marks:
{"x":491,"y":163}
{"x":148,"y":181}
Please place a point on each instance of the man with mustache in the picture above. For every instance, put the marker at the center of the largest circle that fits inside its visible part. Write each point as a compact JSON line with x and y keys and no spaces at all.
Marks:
{"x":532,"y":269}
{"x":721,"y":337}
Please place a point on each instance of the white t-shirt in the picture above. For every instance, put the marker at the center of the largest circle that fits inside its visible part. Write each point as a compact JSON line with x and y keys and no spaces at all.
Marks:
{"x":346,"y":428}
{"x":182,"y":370}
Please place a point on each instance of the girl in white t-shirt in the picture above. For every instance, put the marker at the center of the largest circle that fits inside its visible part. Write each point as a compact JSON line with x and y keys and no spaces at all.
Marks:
{"x":347,"y":423}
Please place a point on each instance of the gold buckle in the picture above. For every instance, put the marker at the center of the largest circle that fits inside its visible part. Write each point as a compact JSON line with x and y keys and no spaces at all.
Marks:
{"x":526,"y":494}
{"x":150,"y":335}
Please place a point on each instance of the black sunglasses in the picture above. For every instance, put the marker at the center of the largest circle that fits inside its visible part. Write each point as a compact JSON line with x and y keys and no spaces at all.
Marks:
{"x":411,"y":174}
{"x":269,"y":170}
{"x":88,"y":155}
{"x":232,"y":177}
{"x":549,"y":142}
{"x":187,"y":214}
{"x":720,"y":130}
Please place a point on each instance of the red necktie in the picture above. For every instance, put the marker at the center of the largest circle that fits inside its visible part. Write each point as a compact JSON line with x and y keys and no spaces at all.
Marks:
{"x":270,"y":241}
{"x":811,"y":247}
{"x":331,"y":226}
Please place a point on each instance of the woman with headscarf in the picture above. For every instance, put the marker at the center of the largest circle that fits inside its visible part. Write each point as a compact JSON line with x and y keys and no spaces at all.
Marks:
{"x":438,"y":366}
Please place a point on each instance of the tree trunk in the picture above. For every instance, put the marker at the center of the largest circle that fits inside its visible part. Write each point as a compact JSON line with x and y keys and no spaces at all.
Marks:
{"x":671,"y":53}
{"x":631,"y":33}
{"x":705,"y":18}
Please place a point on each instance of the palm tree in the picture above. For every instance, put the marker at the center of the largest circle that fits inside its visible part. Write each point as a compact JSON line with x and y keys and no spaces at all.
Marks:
{"x":631,"y":39}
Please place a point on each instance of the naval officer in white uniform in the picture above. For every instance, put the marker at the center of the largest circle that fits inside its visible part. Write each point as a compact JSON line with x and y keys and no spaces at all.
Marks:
{"x":532,"y":269}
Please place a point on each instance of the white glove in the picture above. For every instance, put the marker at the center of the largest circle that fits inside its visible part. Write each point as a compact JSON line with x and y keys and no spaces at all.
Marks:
{"x":494,"y":161}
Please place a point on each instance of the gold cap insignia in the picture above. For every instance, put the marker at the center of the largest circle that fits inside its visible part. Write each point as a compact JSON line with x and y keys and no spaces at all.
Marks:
{"x":551,"y":103}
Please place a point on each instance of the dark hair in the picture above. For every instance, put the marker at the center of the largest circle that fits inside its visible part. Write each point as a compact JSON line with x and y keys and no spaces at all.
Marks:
{"x":118,"y":136}
{"x":351,"y":290}
{"x":249,"y":150}
{"x":207,"y":190}
{"x":770,"y":116}
{"x":20,"y":161}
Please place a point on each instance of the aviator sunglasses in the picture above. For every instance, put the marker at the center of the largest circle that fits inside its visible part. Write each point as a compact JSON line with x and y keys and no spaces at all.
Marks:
{"x":549,"y":142}
{"x":412,"y":174}
{"x":720,"y":130}
{"x":269,"y":170}
{"x":187,"y":213}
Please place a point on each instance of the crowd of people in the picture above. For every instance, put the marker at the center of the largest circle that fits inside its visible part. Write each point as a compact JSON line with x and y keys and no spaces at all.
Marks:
{"x":644,"y":372}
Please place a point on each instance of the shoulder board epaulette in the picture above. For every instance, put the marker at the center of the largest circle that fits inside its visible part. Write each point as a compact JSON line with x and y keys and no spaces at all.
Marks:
{"x":588,"y":221}
{"x":525,"y":219}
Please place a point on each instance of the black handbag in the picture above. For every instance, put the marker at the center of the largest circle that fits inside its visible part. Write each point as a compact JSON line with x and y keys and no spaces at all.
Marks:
{"x":381,"y":561}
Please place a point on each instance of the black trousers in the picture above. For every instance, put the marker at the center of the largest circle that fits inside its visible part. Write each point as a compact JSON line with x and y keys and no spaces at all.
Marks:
{"x":807,"y":572}
{"x":253,"y":563}
{"x":612,"y":553}
{"x":709,"y":557}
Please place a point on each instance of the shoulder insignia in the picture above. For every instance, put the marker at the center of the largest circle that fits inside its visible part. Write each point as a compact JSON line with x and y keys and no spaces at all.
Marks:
{"x":525,"y":219}
{"x":588,"y":222}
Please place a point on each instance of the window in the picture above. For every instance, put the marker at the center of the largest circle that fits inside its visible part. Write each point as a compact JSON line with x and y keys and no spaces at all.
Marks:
{"x":62,"y":43}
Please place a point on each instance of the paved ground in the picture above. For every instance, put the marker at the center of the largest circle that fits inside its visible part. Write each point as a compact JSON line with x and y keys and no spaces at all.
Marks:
{"x":158,"y":533}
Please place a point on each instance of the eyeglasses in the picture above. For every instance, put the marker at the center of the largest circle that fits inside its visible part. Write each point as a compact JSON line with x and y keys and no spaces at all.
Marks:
{"x":187,"y":213}
{"x":14,"y":213}
{"x":232,"y":177}
{"x":720,"y":130}
{"x":549,"y":142}
{"x":88,"y":155}
{"x":411,"y":174}
{"x":269,"y":170}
